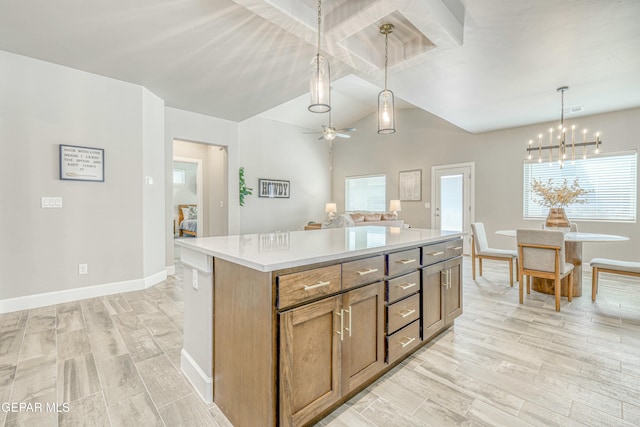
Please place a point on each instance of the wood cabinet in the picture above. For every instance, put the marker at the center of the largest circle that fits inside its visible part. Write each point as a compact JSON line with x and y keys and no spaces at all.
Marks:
{"x":310,"y":360}
{"x":441,"y":296}
{"x":363,"y":336}
{"x":452,"y":290}
{"x":327,"y":349}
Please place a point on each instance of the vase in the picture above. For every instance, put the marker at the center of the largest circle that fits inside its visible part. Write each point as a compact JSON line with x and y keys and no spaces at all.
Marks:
{"x":557,"y":219}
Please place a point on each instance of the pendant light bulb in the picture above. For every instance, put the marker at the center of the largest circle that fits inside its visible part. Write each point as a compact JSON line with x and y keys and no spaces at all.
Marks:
{"x":386,"y":108}
{"x":320,"y":80}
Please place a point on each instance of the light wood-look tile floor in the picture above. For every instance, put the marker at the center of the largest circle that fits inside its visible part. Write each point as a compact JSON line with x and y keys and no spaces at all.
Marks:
{"x":115,"y":361}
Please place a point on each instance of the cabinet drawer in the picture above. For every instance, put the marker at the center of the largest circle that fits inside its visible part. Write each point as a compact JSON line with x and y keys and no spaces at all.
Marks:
{"x":403,"y":286}
{"x":441,"y":251}
{"x":402,"y":313}
{"x":403,"y":341}
{"x":306,"y":285}
{"x":363,"y":271}
{"x":403,"y":262}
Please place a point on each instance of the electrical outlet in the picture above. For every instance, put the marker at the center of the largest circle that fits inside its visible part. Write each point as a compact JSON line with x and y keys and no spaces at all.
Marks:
{"x":194,"y":278}
{"x":83,"y":268}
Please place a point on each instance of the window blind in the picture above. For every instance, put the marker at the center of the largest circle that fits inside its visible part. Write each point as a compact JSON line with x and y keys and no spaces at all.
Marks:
{"x":610,"y":179}
{"x":365,"y":193}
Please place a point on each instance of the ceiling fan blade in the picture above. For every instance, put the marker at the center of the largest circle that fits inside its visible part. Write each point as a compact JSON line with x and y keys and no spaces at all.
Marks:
{"x":321,"y":138}
{"x":343,"y":135}
{"x":347,"y":130}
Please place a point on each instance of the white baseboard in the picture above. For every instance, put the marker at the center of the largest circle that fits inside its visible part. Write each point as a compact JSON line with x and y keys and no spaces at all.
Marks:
{"x":196,"y":376}
{"x":27,"y":302}
{"x":171,"y":270}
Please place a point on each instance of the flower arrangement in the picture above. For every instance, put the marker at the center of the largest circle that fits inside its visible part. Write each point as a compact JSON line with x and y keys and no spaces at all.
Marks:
{"x":557,"y":197}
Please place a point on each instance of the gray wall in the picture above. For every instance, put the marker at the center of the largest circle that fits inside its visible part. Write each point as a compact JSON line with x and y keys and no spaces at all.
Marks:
{"x":101,"y":224}
{"x":423,"y":140}
{"x":274,"y":150}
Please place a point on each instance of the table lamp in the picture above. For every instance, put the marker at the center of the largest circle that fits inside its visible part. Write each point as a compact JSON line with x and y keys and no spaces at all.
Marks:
{"x":394,"y":205}
{"x":330,"y":209}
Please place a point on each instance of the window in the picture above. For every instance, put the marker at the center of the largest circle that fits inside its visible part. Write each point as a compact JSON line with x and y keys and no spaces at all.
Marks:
{"x":610,"y":180}
{"x":365,"y":193}
{"x":179,"y":177}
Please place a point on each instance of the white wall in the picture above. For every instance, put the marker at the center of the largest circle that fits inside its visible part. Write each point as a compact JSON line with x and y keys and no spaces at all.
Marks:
{"x":103,"y":225}
{"x":275,"y":150}
{"x":423,"y":140}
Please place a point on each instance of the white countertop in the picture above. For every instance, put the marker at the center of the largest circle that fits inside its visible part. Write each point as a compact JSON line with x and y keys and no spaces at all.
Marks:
{"x":275,"y":251}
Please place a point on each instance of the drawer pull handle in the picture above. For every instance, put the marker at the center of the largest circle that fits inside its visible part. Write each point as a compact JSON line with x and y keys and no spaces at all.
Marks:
{"x":406,"y":261}
{"x":365,"y":272}
{"x":317,"y":285}
{"x":455,"y":248}
{"x":406,"y":312}
{"x":407,"y":286}
{"x":435,"y":253}
{"x":406,"y":343}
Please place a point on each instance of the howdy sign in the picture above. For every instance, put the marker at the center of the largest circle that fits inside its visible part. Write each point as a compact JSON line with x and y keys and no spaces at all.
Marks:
{"x":273,"y":188}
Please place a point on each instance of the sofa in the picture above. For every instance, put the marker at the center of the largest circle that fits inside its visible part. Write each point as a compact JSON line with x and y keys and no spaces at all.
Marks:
{"x":359,"y":219}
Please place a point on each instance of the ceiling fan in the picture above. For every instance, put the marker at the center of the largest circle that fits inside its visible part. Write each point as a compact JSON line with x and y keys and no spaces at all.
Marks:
{"x":329,"y":133}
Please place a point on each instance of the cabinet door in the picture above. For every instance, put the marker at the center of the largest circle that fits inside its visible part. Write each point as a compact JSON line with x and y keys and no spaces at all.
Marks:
{"x":452,"y":300}
{"x":432,"y":293}
{"x":310,"y":360}
{"x":363,"y":344}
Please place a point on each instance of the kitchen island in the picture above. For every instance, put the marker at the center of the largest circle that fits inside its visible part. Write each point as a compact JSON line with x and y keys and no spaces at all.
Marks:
{"x":281,"y":328}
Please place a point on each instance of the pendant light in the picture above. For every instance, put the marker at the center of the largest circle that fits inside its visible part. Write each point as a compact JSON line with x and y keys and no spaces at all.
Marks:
{"x":320,"y":78}
{"x":386,"y":120}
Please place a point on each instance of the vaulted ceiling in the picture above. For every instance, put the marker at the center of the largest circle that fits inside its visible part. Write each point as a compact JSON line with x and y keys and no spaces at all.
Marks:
{"x":479,"y":64}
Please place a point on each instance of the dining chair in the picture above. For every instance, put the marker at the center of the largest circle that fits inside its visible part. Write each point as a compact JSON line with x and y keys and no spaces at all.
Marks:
{"x":480,"y":250}
{"x":541,"y":254}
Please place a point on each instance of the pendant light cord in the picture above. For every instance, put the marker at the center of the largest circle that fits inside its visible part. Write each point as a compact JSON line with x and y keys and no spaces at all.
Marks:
{"x":386,"y":57}
{"x":319,"y":17}
{"x":562,"y":108}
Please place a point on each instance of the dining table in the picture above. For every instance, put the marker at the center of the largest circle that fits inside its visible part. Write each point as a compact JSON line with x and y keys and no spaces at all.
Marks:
{"x":573,"y":241}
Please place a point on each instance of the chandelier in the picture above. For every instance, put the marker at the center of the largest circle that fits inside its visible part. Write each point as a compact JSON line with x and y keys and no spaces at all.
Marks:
{"x":562,"y":146}
{"x":386,"y":121}
{"x":320,"y":78}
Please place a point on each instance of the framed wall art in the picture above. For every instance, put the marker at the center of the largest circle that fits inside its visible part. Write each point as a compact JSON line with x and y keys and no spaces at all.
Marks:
{"x":273,"y":188}
{"x":410,"y":185}
{"x":81,"y":163}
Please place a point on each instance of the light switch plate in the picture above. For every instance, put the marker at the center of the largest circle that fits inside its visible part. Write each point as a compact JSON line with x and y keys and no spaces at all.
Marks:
{"x":51,"y":202}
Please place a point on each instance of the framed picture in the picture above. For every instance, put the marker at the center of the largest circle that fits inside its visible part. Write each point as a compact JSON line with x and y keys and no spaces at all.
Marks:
{"x":410,"y":185}
{"x":273,"y":188}
{"x":81,"y":163}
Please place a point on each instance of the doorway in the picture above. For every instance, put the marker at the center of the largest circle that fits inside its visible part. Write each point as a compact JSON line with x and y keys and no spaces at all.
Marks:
{"x":207,"y":188}
{"x":453,"y":199}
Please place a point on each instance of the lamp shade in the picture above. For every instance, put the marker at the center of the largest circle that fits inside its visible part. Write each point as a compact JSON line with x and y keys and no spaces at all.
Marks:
{"x":386,"y":120}
{"x":330,"y":208}
{"x":320,"y":85}
{"x":394,"y":205}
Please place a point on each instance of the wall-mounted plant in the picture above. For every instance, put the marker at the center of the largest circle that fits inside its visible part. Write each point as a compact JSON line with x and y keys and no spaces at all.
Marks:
{"x":244,"y":190}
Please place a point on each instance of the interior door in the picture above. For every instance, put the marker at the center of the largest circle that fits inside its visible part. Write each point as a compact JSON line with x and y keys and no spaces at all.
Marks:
{"x":452,"y":199}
